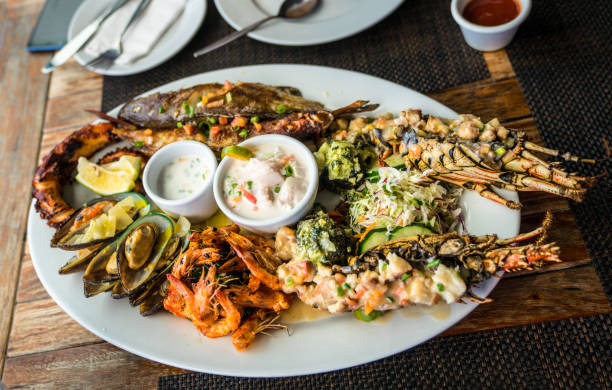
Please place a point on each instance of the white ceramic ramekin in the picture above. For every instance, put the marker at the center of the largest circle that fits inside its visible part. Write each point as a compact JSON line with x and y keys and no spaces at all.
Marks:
{"x":488,"y":38}
{"x":197,"y":206}
{"x":271,"y":225}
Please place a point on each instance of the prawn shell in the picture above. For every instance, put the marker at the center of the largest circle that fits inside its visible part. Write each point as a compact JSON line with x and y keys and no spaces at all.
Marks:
{"x":65,"y":227}
{"x":133,"y":279}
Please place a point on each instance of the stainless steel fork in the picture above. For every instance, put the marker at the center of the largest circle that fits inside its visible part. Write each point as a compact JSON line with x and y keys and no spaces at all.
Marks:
{"x":107,"y":58}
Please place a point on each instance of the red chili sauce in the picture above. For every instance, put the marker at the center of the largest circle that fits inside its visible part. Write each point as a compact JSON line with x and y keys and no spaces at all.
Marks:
{"x":491,"y":12}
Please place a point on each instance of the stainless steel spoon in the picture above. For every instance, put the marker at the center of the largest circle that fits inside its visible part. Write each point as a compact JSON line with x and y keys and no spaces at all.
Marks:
{"x":290,"y":9}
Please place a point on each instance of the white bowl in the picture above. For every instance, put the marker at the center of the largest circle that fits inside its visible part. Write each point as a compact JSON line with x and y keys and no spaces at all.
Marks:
{"x":488,"y":38}
{"x":271,"y":225}
{"x":197,"y":206}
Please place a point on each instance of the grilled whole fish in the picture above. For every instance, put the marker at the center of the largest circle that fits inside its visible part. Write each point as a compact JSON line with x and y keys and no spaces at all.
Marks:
{"x":299,"y":125}
{"x":164,"y":110}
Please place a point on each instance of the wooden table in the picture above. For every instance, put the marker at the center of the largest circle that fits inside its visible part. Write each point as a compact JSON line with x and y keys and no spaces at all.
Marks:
{"x":41,"y":346}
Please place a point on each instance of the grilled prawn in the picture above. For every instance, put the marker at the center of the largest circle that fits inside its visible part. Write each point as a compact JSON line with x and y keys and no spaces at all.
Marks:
{"x":414,"y":270}
{"x":475,"y":155}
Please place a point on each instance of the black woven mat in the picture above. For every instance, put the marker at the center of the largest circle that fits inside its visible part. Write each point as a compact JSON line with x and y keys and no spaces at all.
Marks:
{"x":569,"y":354}
{"x":418,"y":46}
{"x":562,"y":56}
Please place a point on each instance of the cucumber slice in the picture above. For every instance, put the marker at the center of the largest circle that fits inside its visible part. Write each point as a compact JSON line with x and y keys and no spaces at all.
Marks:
{"x":395,"y":161}
{"x":378,"y":236}
{"x":411,"y":230}
{"x":373,"y":238}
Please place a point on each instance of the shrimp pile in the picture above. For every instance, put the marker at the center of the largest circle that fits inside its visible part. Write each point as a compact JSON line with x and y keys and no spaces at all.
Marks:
{"x":225,"y":283}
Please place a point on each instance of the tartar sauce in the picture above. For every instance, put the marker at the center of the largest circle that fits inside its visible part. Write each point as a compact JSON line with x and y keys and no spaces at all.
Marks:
{"x":272,"y":181}
{"x":182,"y":177}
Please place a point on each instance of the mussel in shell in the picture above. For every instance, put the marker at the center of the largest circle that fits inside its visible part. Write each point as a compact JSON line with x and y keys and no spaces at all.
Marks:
{"x":139,"y":244}
{"x":82,"y":256}
{"x":76,"y":232}
{"x":132,"y":278}
{"x":96,"y":272}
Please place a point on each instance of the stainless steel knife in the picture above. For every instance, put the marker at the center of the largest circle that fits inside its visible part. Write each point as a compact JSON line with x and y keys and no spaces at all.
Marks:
{"x":76,"y":43}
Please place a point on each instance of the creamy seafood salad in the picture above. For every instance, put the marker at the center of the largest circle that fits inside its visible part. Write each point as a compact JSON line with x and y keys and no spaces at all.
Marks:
{"x":271,"y":182}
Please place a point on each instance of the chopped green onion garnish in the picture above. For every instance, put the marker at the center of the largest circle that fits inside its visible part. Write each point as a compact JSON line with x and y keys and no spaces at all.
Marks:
{"x":482,"y":128}
{"x":212,"y":120}
{"x":179,"y":124}
{"x":234,"y":185}
{"x":201,"y":124}
{"x":228,"y":97}
{"x":500,"y":151}
{"x":243,"y":133}
{"x":289,"y":281}
{"x":207,"y":133}
{"x":281,"y":109}
{"x":250,"y":184}
{"x":440,"y":287}
{"x":254,"y":119}
{"x":161,"y":109}
{"x":340,"y":292}
{"x":405,"y":276}
{"x":389,"y":299}
{"x":288,"y":171}
{"x":362,"y":316}
{"x":384,"y":267}
{"x":138,"y":144}
{"x":347,"y":286}
{"x":277,"y":189}
{"x":433,"y":263}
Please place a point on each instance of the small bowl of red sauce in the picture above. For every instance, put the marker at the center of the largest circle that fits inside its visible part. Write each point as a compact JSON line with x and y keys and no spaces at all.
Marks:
{"x":489,"y":25}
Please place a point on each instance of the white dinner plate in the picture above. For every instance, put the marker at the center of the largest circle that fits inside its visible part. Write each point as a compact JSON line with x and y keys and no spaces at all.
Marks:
{"x":170,"y":43}
{"x":317,"y":346}
{"x":331,"y":21}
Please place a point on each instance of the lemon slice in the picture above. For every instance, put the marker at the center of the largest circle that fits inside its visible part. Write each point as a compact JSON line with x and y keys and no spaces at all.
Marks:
{"x":128,"y":164}
{"x":101,"y":180}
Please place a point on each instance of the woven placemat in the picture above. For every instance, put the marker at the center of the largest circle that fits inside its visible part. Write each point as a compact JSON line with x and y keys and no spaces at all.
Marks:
{"x":569,"y":354}
{"x":562,"y":57}
{"x":418,"y":46}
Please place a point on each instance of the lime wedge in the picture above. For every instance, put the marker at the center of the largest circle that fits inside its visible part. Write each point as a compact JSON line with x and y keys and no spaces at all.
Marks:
{"x":127,"y":164}
{"x":101,"y":180}
{"x":236,"y":151}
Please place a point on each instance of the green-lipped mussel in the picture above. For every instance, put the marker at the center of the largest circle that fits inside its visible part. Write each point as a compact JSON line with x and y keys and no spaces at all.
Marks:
{"x":136,"y":260}
{"x":99,"y":220}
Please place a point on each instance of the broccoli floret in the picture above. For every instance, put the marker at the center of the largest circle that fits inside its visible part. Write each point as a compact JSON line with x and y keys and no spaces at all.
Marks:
{"x":321,"y":240}
{"x":341,"y":164}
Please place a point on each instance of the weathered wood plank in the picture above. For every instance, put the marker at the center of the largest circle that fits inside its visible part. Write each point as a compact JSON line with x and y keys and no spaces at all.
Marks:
{"x":24,"y":92}
{"x":499,"y":65}
{"x":538,"y":298}
{"x":68,"y":111}
{"x":72,"y":78}
{"x":42,"y":325}
{"x":30,"y":288}
{"x":98,"y":366}
{"x":488,"y":99}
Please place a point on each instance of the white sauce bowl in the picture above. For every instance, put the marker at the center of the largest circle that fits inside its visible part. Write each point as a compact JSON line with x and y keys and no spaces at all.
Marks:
{"x":271,"y":225}
{"x":488,"y":38}
{"x":195,"y":207}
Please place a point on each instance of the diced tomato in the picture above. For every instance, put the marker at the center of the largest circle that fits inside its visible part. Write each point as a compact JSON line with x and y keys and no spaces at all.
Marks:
{"x":222,"y":120}
{"x":188,"y":128}
{"x":228,"y":85}
{"x":239,"y":121}
{"x":214,"y":130}
{"x":250,"y":197}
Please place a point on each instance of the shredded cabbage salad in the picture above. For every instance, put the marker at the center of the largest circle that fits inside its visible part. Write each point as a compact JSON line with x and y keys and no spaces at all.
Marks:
{"x":396,"y":199}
